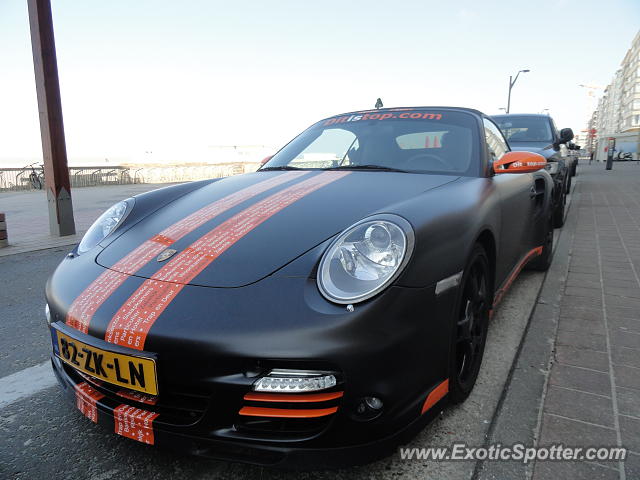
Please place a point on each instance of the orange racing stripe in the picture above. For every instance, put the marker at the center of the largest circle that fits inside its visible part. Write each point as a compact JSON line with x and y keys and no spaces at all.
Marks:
{"x":86,"y":400}
{"x":134,"y":423}
{"x":131,"y":323}
{"x":87,"y":303}
{"x":137,"y":396}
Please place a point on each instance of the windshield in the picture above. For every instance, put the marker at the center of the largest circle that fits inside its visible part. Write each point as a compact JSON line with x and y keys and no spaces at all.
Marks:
{"x":525,"y":128}
{"x":405,"y":139}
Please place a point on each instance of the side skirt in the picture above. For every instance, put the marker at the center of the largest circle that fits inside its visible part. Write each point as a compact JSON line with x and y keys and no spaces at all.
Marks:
{"x":504,"y":288}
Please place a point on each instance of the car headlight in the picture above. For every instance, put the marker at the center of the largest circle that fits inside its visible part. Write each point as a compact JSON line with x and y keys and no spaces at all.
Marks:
{"x":105,"y":224}
{"x":365,"y":258}
{"x":552,"y":167}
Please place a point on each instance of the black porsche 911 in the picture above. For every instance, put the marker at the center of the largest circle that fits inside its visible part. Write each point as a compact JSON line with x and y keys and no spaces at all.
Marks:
{"x":316,"y":312}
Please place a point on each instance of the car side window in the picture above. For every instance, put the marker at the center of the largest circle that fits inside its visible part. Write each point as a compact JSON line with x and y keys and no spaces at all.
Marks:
{"x":496,"y":144}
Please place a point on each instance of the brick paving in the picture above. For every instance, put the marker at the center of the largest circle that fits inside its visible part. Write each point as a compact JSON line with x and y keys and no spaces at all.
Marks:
{"x":593,"y":391}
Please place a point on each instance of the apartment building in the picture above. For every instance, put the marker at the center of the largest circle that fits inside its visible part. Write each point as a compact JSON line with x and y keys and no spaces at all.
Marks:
{"x":618,"y":111}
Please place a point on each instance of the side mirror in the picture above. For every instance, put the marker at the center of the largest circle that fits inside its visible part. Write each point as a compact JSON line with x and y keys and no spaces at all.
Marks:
{"x":566,"y":135}
{"x":265,"y":159}
{"x":519,"y":162}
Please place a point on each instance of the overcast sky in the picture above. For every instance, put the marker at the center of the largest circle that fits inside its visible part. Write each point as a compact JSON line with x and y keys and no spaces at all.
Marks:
{"x":180,"y":76}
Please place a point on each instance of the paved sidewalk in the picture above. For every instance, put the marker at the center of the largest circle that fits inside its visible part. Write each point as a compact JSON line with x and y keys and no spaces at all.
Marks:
{"x":28,"y":217}
{"x":593,"y":391}
{"x":576,"y":380}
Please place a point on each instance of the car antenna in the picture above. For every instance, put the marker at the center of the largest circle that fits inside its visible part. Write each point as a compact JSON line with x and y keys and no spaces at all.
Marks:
{"x":379,"y":104}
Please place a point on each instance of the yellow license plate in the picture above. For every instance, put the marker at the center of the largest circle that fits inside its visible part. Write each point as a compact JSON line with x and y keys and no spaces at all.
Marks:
{"x":129,"y":371}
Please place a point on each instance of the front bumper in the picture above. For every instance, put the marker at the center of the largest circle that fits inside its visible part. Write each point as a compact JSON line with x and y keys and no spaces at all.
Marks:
{"x":394,"y":348}
{"x":286,"y":456}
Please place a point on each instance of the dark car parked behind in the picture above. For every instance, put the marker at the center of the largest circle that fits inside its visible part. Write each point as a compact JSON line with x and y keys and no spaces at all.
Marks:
{"x":537,"y":133}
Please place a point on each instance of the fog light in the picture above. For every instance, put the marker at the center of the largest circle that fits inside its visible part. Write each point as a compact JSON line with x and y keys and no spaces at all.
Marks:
{"x":367,"y":409}
{"x":47,"y":313}
{"x":373,"y":402}
{"x":294,"y":381}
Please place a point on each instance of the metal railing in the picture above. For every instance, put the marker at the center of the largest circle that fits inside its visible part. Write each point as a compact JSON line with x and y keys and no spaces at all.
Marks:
{"x":14,"y":179}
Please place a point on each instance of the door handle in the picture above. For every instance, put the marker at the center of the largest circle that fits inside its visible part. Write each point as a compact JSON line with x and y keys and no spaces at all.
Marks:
{"x":532,"y":192}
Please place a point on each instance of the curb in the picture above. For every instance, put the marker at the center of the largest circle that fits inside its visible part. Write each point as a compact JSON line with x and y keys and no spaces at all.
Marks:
{"x":517,"y":417}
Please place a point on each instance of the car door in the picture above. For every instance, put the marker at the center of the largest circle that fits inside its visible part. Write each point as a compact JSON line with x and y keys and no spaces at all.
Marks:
{"x":517,"y":200}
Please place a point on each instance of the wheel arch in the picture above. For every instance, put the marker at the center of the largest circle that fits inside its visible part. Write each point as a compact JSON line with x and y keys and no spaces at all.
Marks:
{"x":487,"y":239}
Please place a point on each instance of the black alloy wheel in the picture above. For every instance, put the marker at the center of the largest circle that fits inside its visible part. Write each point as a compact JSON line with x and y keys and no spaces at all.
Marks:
{"x":472,"y":322}
{"x":543,"y":261}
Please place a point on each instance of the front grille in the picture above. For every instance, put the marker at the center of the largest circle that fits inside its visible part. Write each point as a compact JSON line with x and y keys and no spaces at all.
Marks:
{"x":177,"y":406}
{"x":282,"y":426}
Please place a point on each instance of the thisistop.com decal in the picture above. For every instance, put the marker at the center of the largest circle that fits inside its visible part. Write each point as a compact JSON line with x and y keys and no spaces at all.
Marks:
{"x":383,"y":116}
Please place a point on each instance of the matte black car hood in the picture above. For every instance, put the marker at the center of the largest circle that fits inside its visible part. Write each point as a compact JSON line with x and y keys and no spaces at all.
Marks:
{"x":284,"y":236}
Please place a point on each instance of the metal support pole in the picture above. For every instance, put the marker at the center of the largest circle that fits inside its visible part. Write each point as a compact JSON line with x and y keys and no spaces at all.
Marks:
{"x":54,"y":148}
{"x":509,"y":97}
{"x":610,"y":152}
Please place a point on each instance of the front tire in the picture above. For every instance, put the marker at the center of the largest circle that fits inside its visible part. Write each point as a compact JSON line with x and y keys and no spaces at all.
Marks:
{"x":542,"y":262}
{"x":471,"y":326}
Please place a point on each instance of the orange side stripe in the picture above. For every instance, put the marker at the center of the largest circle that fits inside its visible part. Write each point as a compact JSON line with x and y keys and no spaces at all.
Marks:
{"x":436,"y":395}
{"x":286,"y":413}
{"x":301,"y":397}
{"x":514,"y":274}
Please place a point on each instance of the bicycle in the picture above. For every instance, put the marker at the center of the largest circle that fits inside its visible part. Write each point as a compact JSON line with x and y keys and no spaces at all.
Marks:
{"x":36,"y":179}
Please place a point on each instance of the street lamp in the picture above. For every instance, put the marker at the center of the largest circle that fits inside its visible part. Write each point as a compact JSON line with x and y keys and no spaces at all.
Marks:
{"x":512,"y":82}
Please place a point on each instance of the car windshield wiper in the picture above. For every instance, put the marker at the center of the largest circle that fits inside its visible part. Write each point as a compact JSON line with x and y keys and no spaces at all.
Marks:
{"x":280,"y":167}
{"x":367,"y":167}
